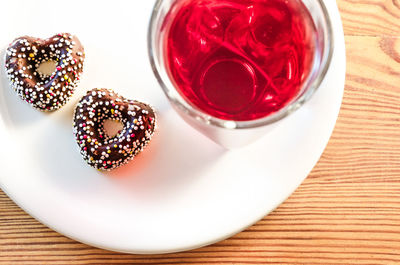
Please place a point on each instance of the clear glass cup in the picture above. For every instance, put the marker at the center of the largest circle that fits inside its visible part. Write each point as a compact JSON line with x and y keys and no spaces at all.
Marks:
{"x":231,"y":133}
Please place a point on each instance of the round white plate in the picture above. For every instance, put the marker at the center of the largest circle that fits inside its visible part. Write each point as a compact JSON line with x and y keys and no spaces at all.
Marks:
{"x":184,"y":191}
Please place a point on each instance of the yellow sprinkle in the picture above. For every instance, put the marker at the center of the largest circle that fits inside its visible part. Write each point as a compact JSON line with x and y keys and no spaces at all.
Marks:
{"x":89,"y":140}
{"x":31,"y":55}
{"x":64,"y":61}
{"x":69,"y":80}
{"x":48,"y":95}
{"x":112,"y":111}
{"x":109,"y":151}
{"x":135,"y":121}
{"x":96,"y":142}
{"x":115,"y":146}
{"x":65,"y":77}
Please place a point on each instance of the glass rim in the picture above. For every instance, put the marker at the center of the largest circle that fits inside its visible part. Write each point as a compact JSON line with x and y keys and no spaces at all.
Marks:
{"x":308,"y":88}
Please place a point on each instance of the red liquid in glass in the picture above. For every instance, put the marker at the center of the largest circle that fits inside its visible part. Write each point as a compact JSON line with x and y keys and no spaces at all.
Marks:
{"x":239,"y":59}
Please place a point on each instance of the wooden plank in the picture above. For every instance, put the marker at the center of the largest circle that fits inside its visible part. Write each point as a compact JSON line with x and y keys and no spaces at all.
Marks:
{"x":370,"y":17}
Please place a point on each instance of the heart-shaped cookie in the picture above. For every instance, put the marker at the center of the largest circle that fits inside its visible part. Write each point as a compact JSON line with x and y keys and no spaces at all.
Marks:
{"x":100,"y":150}
{"x":25,"y":55}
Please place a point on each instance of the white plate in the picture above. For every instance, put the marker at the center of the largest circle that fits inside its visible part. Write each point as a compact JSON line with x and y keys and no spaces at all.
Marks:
{"x":184,"y":191}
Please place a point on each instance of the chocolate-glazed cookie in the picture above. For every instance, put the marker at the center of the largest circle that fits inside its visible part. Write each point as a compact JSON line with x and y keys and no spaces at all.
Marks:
{"x":47,"y":93}
{"x":100,"y":150}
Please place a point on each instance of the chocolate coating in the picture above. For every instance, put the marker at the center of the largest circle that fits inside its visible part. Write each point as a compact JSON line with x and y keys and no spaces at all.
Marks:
{"x":97,"y":148}
{"x":47,"y":93}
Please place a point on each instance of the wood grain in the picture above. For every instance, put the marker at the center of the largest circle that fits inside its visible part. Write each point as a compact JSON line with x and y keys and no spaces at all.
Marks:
{"x":346,"y":212}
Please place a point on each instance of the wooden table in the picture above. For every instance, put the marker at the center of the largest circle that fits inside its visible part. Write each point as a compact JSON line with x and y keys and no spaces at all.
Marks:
{"x":346,"y":212}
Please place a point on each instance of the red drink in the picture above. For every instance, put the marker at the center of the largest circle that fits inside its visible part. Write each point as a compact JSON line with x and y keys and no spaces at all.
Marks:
{"x":239,"y":59}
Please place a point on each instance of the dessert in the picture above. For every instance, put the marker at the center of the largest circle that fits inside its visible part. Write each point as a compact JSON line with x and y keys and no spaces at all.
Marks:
{"x":24,"y":57}
{"x":100,"y":150}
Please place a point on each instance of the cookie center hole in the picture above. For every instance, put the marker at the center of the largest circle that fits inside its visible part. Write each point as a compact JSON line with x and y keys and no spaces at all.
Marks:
{"x":47,"y":68}
{"x":112,"y":127}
